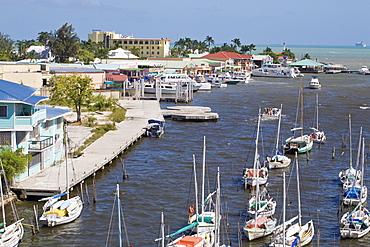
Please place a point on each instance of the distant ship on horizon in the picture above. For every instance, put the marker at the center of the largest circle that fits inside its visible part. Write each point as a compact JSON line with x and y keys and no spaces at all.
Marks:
{"x":360,"y":44}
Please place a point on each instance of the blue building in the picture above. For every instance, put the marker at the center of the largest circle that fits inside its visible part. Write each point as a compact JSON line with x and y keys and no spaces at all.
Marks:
{"x":26,"y":124}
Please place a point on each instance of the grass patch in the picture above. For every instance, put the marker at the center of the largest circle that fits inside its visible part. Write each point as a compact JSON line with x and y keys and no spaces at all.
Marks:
{"x":98,"y":132}
{"x":118,"y":114}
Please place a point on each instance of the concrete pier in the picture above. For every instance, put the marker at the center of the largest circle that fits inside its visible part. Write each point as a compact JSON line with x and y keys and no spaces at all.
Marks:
{"x":102,"y":152}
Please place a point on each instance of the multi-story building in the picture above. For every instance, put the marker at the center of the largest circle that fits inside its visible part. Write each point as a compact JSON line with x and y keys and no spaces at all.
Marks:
{"x":147,"y":47}
{"x":36,"y":129}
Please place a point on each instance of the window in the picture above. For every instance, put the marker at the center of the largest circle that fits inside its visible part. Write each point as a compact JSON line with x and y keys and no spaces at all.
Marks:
{"x":130,"y":42}
{"x":158,"y":53}
{"x":152,"y":52}
{"x":152,"y":42}
{"x":152,"y":47}
{"x":157,"y":42}
{"x":135,"y":42}
{"x":47,"y":124}
{"x":158,"y":47}
{"x":146,"y":42}
{"x":3,"y":111}
{"x":59,"y":123}
{"x":5,"y":138}
{"x":125,"y":42}
{"x":120,"y":42}
{"x":141,"y":42}
{"x":147,"y":52}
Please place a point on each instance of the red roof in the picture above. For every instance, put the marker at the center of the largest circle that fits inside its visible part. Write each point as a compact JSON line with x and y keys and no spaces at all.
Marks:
{"x":112,"y":77}
{"x":225,"y":54}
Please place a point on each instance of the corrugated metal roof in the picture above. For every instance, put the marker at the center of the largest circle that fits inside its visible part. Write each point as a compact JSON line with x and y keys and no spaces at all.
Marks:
{"x":53,"y":112}
{"x":306,"y":62}
{"x":76,"y":70}
{"x":10,"y":91}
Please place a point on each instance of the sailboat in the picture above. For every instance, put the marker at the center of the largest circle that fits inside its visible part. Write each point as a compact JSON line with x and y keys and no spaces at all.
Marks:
{"x":351,"y":175}
{"x":263,"y":223}
{"x":207,"y":217}
{"x":317,"y":135}
{"x":261,"y":204}
{"x":200,"y":236}
{"x":257,"y":174}
{"x":304,"y":142}
{"x":10,"y":235}
{"x":58,"y":212}
{"x":356,"y":224}
{"x":279,"y":160}
{"x":280,"y":230}
{"x":355,"y":193}
{"x":297,"y":234}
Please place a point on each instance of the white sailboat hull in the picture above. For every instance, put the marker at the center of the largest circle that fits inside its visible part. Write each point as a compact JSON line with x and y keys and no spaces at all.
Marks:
{"x":12,"y":234}
{"x":53,"y":216}
{"x":278,"y":161}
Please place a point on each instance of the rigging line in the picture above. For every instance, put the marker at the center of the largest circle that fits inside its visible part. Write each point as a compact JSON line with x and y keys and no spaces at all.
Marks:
{"x":110,"y":223}
{"x":124,"y":225}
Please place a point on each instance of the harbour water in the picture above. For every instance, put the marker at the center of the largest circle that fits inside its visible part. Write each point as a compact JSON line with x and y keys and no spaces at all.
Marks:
{"x":161,"y":177}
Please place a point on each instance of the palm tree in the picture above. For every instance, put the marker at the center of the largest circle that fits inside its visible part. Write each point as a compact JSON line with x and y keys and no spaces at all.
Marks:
{"x":252,"y":48}
{"x":268,"y":49}
{"x":244,"y":48}
{"x":236,"y":42}
{"x":209,"y":40}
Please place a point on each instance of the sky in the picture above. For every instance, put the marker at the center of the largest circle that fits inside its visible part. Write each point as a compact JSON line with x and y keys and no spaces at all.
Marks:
{"x":267,"y":22}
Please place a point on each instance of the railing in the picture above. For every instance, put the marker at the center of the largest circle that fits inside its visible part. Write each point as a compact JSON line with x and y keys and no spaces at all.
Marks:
{"x":46,"y":141}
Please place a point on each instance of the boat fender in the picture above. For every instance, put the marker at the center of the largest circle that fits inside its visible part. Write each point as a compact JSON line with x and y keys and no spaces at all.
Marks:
{"x":191,"y":210}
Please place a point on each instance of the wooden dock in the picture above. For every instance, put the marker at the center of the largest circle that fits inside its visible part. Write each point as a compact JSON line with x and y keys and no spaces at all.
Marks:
{"x":102,"y":152}
{"x":190,"y":113}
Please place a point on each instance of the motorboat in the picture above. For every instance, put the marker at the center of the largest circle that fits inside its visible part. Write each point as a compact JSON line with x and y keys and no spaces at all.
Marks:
{"x":360,"y":44}
{"x":204,"y":85}
{"x":275,"y":70}
{"x":271,"y":113}
{"x":315,"y":83}
{"x":155,"y":128}
{"x":164,"y":88}
{"x":364,"y":70}
{"x":242,"y":76}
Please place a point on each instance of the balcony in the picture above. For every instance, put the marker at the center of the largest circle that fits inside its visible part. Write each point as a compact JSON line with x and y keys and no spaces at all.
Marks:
{"x":39,"y":145}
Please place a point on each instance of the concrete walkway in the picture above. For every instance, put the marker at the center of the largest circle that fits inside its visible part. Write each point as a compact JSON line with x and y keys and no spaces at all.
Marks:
{"x":52,"y":180}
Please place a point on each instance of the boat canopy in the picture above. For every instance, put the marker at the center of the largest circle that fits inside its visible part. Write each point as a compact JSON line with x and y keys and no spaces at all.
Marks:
{"x":353,"y":193}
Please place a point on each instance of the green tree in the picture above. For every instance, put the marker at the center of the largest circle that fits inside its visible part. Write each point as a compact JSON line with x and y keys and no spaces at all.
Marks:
{"x":306,"y":56}
{"x":72,"y":91}
{"x":14,"y":163}
{"x":6,"y":47}
{"x":44,"y":38}
{"x":135,"y":51}
{"x":252,"y":48}
{"x":236,"y":42}
{"x":268,"y":49}
{"x":65,"y":43}
{"x":288,"y":53}
{"x":209,"y":40}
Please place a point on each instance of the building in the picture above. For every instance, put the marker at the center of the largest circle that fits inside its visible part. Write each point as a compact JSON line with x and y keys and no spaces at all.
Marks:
{"x":147,"y":47}
{"x":32,"y":75}
{"x":232,"y":60}
{"x":97,"y":75}
{"x":25,"y":124}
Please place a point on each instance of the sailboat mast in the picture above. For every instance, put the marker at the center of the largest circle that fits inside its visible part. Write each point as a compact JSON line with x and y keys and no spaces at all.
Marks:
{"x":119,"y":218}
{"x":278,"y":134}
{"x":217,"y":210}
{"x":317,"y":111}
{"x":258,"y":131}
{"x":350,"y":141}
{"x":2,"y":201}
{"x":284,"y":207}
{"x":67,"y":178}
{"x":359,"y":149}
{"x":298,"y":191}
{"x":301,"y":105}
{"x":196,"y":190}
{"x":362,"y":168}
{"x":162,"y":230}
{"x":203,"y":173}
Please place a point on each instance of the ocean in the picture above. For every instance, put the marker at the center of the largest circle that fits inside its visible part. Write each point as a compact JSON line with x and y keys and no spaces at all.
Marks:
{"x":351,"y":56}
{"x":160,"y":170}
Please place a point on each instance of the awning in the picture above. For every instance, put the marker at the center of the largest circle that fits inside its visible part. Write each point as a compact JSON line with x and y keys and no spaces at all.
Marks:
{"x":109,"y":82}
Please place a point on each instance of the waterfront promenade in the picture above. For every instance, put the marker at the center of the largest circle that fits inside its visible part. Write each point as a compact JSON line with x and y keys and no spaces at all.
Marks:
{"x":52,"y":180}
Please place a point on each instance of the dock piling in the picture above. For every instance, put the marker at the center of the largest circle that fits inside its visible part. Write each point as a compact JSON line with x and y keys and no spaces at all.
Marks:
{"x":94,"y":187}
